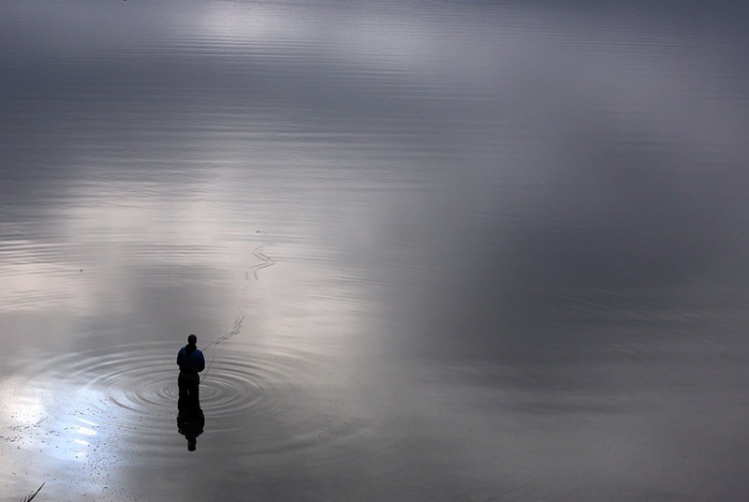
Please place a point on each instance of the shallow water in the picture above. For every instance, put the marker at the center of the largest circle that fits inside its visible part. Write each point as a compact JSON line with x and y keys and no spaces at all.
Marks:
{"x":433,"y":251}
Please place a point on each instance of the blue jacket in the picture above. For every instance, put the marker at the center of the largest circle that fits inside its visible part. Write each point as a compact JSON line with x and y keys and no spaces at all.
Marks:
{"x":190,"y":359}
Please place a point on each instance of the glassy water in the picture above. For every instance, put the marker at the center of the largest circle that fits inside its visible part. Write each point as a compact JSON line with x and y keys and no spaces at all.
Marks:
{"x":432,"y":250}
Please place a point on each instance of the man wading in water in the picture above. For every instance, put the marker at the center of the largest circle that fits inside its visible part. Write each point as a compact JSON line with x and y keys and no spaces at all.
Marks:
{"x":191,"y":361}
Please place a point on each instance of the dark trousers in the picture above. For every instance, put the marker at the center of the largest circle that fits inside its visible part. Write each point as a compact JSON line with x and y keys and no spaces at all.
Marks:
{"x":188,"y":383}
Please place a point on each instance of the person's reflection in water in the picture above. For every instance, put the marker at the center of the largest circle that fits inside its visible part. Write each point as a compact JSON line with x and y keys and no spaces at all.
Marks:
{"x":190,"y":423}
{"x":190,"y":419}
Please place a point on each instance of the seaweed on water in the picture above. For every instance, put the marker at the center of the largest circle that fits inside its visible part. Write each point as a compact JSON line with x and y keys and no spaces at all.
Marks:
{"x":29,"y":498}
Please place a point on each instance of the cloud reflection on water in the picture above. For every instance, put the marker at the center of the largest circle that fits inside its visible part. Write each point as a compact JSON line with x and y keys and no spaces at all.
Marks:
{"x":493,"y":234}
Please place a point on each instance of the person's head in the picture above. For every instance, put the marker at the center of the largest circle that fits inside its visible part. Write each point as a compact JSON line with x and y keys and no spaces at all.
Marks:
{"x":192,"y":340}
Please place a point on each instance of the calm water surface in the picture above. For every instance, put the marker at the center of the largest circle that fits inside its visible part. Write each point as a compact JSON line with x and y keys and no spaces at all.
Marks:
{"x":433,"y":250}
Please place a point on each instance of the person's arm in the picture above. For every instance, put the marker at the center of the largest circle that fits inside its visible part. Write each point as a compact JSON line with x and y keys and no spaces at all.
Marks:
{"x":183,"y":361}
{"x":199,"y":361}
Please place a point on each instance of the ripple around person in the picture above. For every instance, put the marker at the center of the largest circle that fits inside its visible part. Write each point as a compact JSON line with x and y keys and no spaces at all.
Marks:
{"x":119,"y":410}
{"x":98,"y":396}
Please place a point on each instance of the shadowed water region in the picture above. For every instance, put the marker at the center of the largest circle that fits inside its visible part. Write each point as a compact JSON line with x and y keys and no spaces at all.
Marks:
{"x":430,"y":250}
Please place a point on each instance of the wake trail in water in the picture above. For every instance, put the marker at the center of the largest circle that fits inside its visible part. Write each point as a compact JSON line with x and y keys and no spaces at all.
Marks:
{"x":251,"y":271}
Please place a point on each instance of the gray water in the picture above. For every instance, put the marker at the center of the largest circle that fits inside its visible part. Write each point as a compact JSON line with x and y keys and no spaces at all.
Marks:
{"x":433,"y":250}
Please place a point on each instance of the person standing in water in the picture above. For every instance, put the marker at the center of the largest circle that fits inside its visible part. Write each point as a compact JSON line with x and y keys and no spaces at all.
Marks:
{"x":191,"y":362}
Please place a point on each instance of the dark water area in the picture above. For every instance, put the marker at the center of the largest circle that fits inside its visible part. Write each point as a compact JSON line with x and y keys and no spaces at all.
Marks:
{"x":431,"y":250}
